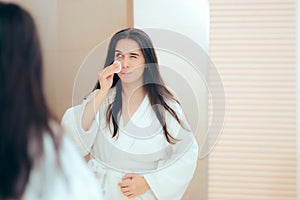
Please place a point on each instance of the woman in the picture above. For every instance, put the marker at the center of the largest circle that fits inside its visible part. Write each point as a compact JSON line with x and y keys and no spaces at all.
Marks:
{"x":132,"y":126}
{"x":37,"y":161}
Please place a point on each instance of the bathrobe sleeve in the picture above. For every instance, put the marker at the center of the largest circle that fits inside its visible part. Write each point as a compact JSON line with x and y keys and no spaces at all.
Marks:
{"x":72,"y":123}
{"x":171,"y":180}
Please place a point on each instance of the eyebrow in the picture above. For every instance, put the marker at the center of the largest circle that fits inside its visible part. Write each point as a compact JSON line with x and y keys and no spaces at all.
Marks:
{"x":134,"y":54}
{"x":131,"y":53}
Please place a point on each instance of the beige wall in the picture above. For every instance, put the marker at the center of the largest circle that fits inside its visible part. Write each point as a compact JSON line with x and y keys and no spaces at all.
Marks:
{"x":45,"y":16}
{"x":69,"y":30}
{"x":81,"y":26}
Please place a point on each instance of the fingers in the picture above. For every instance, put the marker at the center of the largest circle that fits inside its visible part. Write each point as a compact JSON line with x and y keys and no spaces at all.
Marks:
{"x":110,"y":70}
{"x":127,"y":181}
{"x":124,"y":184}
{"x":126,"y":190}
{"x":128,"y":176}
{"x":105,"y":76}
{"x":133,"y":185}
{"x":129,"y":195}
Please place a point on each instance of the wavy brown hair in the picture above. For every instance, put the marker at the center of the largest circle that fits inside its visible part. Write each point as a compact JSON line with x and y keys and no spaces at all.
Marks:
{"x":24,"y":116}
{"x":153,"y":83}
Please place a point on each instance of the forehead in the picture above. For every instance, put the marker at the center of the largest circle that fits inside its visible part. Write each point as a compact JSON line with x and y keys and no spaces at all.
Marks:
{"x":127,"y":45}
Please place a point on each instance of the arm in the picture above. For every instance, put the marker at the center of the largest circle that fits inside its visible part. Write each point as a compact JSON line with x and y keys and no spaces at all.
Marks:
{"x":79,"y":121}
{"x":91,"y":109}
{"x":171,"y":182}
{"x":71,"y":122}
{"x":105,"y":79}
{"x":174,"y":174}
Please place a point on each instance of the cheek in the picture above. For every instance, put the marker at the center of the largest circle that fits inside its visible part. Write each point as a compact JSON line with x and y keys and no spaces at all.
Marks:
{"x":140,"y":71}
{"x":138,"y":74}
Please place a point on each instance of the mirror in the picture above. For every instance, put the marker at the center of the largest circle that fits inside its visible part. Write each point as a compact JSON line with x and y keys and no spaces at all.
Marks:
{"x":70,"y":30}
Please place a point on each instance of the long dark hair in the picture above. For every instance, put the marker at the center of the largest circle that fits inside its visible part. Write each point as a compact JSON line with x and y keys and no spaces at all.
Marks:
{"x":24,"y":116}
{"x":153,"y":84}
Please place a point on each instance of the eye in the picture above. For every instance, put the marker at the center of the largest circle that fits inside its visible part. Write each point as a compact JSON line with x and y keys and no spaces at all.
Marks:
{"x":119,"y":55}
{"x":134,"y":55}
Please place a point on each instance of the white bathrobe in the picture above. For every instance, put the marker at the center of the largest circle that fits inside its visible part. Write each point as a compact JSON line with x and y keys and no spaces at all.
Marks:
{"x":73,"y":180}
{"x":140,"y":148}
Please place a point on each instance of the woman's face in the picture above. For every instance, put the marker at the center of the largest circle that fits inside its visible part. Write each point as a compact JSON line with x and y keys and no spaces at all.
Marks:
{"x":128,"y":52}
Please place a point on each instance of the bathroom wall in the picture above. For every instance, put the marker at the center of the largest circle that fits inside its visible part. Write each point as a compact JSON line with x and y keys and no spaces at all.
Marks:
{"x":68,"y":31}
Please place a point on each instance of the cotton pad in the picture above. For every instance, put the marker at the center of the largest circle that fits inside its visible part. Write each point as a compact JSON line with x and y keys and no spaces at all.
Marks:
{"x":120,"y":66}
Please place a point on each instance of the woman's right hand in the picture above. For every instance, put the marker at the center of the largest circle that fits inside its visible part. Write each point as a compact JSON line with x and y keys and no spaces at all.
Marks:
{"x":105,"y":77}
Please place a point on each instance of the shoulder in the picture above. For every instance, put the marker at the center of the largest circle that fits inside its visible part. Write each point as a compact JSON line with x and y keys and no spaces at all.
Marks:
{"x":56,"y":170}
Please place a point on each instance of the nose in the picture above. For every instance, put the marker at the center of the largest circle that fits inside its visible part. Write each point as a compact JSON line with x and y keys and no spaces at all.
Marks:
{"x":125,"y":62}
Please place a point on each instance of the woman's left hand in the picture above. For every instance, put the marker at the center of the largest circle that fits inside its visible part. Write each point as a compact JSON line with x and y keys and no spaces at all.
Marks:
{"x":133,"y":185}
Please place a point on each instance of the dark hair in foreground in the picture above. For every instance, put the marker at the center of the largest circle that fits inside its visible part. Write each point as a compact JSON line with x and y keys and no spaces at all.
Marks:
{"x":153,"y":85}
{"x":24,"y":118}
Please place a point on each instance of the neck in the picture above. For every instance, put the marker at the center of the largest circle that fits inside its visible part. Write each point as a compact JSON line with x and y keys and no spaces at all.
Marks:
{"x":128,"y":90}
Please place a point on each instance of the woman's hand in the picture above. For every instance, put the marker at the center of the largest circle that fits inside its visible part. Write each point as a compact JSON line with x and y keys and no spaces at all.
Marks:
{"x":105,"y":77}
{"x":133,"y":185}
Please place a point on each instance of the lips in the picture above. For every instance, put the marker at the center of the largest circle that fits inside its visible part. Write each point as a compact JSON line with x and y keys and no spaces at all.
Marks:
{"x":126,"y":73}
